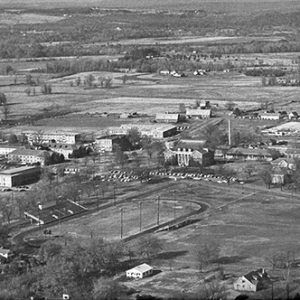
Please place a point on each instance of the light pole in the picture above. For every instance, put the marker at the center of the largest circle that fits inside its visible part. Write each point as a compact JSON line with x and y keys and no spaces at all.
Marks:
{"x":158,"y":198}
{"x":140,"y":205}
{"x":121,"y":222}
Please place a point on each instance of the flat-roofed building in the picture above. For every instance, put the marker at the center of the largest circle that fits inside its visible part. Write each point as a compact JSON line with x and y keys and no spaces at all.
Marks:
{"x":19,"y":176}
{"x":29,"y":156}
{"x":167,"y":118}
{"x":53,"y":137}
{"x":156,"y":131}
{"x":65,"y":149}
{"x":270,"y":116}
{"x":198,"y":113}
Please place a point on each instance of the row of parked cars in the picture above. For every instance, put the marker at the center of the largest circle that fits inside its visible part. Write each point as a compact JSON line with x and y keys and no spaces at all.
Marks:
{"x":194,"y":176}
{"x":22,"y":188}
{"x":118,"y":175}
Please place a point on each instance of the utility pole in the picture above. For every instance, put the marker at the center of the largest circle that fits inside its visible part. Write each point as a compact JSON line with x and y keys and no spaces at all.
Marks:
{"x":121,"y":223}
{"x":140,"y":205}
{"x":114,"y":194}
{"x":158,"y":198}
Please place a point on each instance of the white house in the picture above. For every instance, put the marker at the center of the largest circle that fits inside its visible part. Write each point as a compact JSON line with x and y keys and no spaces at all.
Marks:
{"x":5,"y":253}
{"x":253,"y":281}
{"x":140,"y":271}
{"x":270,"y":116}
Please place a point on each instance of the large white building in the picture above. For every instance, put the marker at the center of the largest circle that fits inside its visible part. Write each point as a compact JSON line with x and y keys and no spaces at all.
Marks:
{"x":156,"y":131}
{"x":19,"y":176}
{"x":29,"y":156}
{"x":198,"y":113}
{"x":59,"y":137}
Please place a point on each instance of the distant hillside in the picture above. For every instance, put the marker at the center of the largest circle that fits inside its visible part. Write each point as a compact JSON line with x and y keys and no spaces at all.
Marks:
{"x":218,"y":5}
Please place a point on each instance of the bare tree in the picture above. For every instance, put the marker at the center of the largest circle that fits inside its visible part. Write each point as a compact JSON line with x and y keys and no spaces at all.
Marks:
{"x":207,"y":253}
{"x":213,"y":290}
{"x":5,"y":110}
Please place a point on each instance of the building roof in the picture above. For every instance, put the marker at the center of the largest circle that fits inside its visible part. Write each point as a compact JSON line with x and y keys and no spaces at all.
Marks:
{"x":191,"y":144}
{"x":4,"y":252}
{"x":6,"y":146}
{"x":148,"y":127}
{"x":289,"y":126}
{"x":270,"y":114}
{"x":55,"y":146}
{"x":29,"y":152}
{"x":255,"y":276}
{"x":168,"y":117}
{"x":141,"y":268}
{"x":281,"y":159}
{"x":198,"y":112}
{"x":247,"y":151}
{"x":18,"y":170}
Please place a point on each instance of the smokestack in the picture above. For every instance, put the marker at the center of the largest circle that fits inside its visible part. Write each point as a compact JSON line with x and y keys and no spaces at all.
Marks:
{"x":229,"y":132}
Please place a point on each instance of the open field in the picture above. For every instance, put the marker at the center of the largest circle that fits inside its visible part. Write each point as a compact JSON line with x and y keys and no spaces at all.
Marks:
{"x":142,"y":93}
{"x":194,"y":40}
{"x":27,"y":18}
{"x":256,"y":226}
{"x":243,"y":6}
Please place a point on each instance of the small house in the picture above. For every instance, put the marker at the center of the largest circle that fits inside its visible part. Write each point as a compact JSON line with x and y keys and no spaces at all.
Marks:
{"x":252,"y":281}
{"x":5,"y":253}
{"x":140,"y":271}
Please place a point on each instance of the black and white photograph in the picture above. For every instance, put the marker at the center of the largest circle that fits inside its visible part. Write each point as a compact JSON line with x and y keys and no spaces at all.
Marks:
{"x":149,"y":149}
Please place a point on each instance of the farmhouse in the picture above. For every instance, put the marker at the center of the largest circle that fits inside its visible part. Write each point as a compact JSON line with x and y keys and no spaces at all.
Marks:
{"x":270,"y":116}
{"x":167,"y":118}
{"x":140,"y":271}
{"x":253,"y":281}
{"x":284,"y":163}
{"x":198,"y":113}
{"x":19,"y":176}
{"x":29,"y":156}
{"x":188,"y":152}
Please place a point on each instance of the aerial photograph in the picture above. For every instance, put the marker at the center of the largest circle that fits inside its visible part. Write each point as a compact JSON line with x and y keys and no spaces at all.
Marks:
{"x":149,"y":149}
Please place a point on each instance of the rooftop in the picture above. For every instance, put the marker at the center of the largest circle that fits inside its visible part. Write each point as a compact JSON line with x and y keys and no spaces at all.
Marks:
{"x":31,"y":152}
{"x":290,"y":126}
{"x":142,"y":268}
{"x":247,"y":151}
{"x":148,"y":127}
{"x":255,"y":276}
{"x":15,"y":171}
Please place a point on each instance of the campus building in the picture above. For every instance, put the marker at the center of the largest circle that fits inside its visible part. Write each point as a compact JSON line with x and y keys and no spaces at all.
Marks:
{"x":53,"y":137}
{"x":29,"y":156}
{"x":19,"y":176}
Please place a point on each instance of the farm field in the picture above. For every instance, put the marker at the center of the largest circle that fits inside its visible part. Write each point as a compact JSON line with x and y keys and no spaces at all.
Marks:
{"x":165,"y":92}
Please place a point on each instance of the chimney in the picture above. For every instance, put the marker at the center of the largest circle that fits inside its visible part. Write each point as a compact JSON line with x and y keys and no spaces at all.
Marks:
{"x":229,"y":132}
